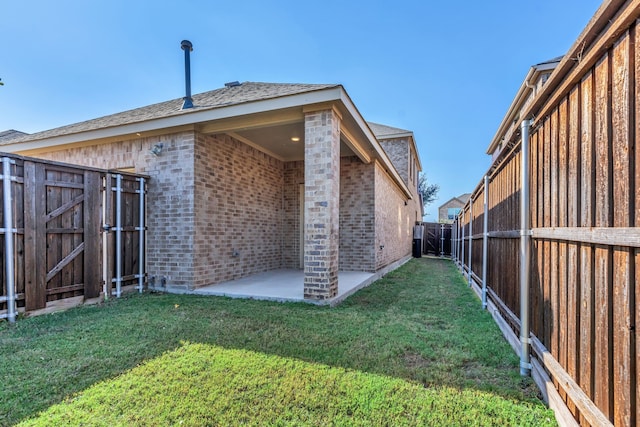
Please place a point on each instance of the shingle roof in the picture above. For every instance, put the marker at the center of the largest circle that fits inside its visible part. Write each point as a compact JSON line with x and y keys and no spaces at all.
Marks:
{"x":464,"y":197}
{"x":10,"y":134}
{"x":380,"y":131}
{"x":555,"y":60}
{"x":244,"y":93}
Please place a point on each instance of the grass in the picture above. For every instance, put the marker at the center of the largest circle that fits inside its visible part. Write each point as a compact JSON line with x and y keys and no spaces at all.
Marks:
{"x":413,"y":348}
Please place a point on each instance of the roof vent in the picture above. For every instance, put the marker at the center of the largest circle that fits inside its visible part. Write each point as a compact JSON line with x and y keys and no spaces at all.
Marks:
{"x":187,"y":47}
{"x":232,"y":84}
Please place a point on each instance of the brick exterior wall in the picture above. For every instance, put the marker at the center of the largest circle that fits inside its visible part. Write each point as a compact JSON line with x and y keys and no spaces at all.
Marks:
{"x":398,"y":152}
{"x":293,"y":178}
{"x":322,"y":204}
{"x":357,"y":215}
{"x":218,"y":209}
{"x":394,"y":221}
{"x":170,"y":196}
{"x":238,"y":210}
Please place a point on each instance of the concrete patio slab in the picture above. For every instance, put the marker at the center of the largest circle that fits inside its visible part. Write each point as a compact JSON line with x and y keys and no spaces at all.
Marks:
{"x":281,"y":285}
{"x":288,"y":285}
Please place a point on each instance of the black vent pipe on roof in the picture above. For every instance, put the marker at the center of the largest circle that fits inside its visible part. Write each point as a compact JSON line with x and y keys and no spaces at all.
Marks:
{"x":187,"y":47}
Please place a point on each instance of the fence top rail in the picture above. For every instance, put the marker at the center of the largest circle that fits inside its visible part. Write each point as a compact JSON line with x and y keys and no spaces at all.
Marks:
{"x":68,"y":166}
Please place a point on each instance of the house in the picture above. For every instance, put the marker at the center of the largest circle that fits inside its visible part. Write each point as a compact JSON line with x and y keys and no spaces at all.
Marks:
{"x":256,"y":177}
{"x":510,"y":126}
{"x":447,"y":211}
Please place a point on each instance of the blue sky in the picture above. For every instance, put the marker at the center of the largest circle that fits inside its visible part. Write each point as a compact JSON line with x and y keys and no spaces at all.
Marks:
{"x":446,"y":70}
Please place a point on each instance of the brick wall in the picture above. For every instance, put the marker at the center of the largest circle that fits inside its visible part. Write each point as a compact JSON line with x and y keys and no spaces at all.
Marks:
{"x":357,"y":215}
{"x":238,"y":210}
{"x":293,"y":178}
{"x":394,"y":221}
{"x":398,"y":152}
{"x":170,"y":200}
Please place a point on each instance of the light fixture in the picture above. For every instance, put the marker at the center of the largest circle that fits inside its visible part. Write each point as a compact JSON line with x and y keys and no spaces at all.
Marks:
{"x":156,"y":149}
{"x":295,"y":138}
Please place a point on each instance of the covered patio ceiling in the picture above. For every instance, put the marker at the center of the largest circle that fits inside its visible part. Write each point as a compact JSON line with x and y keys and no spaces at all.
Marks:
{"x":284,"y":142}
{"x":281,"y":134}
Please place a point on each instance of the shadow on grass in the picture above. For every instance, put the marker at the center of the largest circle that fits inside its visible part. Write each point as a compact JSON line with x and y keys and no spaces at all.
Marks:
{"x":420,"y":323}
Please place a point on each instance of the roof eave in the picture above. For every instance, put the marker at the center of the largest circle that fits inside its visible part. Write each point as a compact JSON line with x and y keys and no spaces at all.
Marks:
{"x":191,"y":118}
{"x":327,"y":95}
{"x":371,"y":138}
{"x":514,"y":109}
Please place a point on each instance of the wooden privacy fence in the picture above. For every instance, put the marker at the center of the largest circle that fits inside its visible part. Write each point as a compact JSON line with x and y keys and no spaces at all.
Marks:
{"x":565,"y":276}
{"x":66,"y":240}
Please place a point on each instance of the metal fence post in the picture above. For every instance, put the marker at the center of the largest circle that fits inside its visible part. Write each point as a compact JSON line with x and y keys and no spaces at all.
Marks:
{"x":454,"y":240}
{"x":118,"y":235}
{"x":141,"y":239}
{"x":525,"y":261}
{"x":458,"y":234}
{"x":8,"y":240}
{"x":470,"y":236}
{"x":485,"y":241}
{"x":462,"y":244}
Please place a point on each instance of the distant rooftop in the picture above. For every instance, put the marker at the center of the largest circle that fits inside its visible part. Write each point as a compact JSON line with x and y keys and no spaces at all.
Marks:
{"x":555,"y":60}
{"x":10,"y":134}
{"x":380,"y":131}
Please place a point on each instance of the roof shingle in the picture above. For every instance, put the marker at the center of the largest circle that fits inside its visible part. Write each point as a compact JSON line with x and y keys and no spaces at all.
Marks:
{"x":380,"y":131}
{"x":223,"y":97}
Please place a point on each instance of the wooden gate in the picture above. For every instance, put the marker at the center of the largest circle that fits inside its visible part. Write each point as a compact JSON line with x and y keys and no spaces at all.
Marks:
{"x":437,"y":239}
{"x":52,"y":216}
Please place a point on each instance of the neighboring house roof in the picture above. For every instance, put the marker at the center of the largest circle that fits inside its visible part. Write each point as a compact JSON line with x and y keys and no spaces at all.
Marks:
{"x":389,"y":132}
{"x":384,"y":131}
{"x":463,"y":198}
{"x":510,"y":122}
{"x":224,"y":97}
{"x":10,"y":134}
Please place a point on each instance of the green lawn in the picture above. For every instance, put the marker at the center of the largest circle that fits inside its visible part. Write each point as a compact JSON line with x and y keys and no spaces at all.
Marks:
{"x":413,"y":348}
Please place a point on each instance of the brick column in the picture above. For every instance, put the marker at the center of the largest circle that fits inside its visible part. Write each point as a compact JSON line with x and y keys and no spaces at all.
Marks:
{"x":321,"y":203}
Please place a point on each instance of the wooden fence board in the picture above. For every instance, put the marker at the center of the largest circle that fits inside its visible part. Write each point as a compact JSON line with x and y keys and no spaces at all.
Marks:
{"x":573,"y":262}
{"x":562,"y":322}
{"x":547,"y":315}
{"x":635,"y":138}
{"x":587,"y":202}
{"x":622,"y":354}
{"x":33,"y":300}
{"x":602,"y":378}
{"x":536,"y":291}
{"x":41,"y":238}
{"x":92,"y":214}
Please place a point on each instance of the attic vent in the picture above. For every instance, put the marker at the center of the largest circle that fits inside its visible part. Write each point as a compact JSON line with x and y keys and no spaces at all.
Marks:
{"x":232,"y":84}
